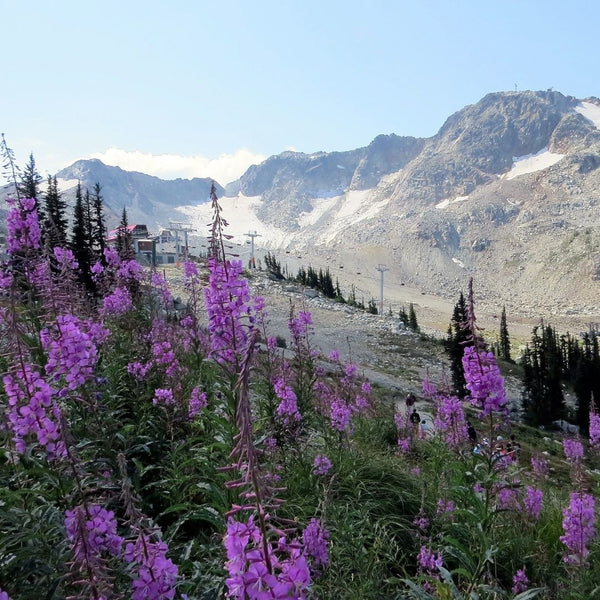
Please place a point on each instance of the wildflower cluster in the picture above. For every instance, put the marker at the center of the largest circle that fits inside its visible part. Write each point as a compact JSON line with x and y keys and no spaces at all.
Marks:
{"x":483,"y":380}
{"x":579,"y":527}
{"x":72,"y":351}
{"x":32,"y":410}
{"x":257,"y":569}
{"x":23,"y":227}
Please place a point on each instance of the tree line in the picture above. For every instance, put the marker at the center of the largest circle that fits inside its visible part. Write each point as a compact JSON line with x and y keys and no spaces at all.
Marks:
{"x":551,"y":363}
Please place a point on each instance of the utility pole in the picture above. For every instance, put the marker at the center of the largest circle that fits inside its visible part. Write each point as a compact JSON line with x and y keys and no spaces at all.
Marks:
{"x":381,"y":269}
{"x":252,"y":236}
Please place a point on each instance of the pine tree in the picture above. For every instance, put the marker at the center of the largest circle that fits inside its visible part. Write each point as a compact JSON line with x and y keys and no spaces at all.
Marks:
{"x":403,"y":316}
{"x":80,"y":241}
{"x":98,"y":228}
{"x":543,"y":400}
{"x":29,"y":186}
{"x":55,"y":223}
{"x":124,"y":239}
{"x":504,"y":345}
{"x":412,"y":318}
{"x":458,"y":337}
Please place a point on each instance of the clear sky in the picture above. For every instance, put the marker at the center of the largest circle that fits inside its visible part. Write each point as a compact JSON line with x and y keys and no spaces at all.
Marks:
{"x":183,"y":88}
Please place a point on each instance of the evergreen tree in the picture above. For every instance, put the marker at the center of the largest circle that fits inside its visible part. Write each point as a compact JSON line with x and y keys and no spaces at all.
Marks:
{"x":543,"y":400}
{"x":124,"y":239}
{"x":99,"y":228}
{"x":458,"y":337}
{"x":412,"y":318}
{"x":504,"y":345}
{"x":403,"y":316}
{"x":29,"y":186}
{"x":80,"y":241}
{"x":55,"y":222}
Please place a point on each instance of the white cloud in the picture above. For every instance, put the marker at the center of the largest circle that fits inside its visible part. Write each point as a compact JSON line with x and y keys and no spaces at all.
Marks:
{"x":223,"y":169}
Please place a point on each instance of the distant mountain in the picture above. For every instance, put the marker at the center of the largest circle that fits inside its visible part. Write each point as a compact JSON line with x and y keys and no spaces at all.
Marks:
{"x":508,"y":191}
{"x":148,"y":199}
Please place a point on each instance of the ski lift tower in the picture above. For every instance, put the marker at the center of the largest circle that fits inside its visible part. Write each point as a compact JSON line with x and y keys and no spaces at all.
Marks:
{"x":252,"y":236}
{"x":381,"y":269}
{"x":185,"y":228}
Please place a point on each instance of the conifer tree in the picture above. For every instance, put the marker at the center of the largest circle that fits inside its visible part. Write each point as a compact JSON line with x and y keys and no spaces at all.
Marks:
{"x":504,"y":345}
{"x":80,"y":241}
{"x":543,"y":399}
{"x":55,"y":222}
{"x":29,"y":186}
{"x":124,"y":240}
{"x":412,"y":318}
{"x":458,"y":337}
{"x":99,"y":227}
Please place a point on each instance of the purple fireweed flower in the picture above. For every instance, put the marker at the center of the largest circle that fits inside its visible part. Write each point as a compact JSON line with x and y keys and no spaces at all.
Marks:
{"x":190,"y":270}
{"x":32,"y":410}
{"x":445,"y":507}
{"x":334,"y":355}
{"x":579,"y":527}
{"x":117,"y":303}
{"x":198,"y":402}
{"x":594,"y":429}
{"x":131,"y":269}
{"x":287,"y":411}
{"x":24,"y":232}
{"x":421,"y":521}
{"x":159,"y":282}
{"x":507,"y":499}
{"x":340,"y":415}
{"x":156,"y":574}
{"x":416,"y":471}
{"x":65,"y":258}
{"x":540,"y":466}
{"x":533,"y":502}
{"x":483,"y":380}
{"x":112,"y":257}
{"x":4,"y":595}
{"x":314,"y":540}
{"x":72,"y":352}
{"x":450,"y":421}
{"x":163,"y":396}
{"x":321,"y":465}
{"x":139,"y":370}
{"x":573,"y":450}
{"x":248,"y":567}
{"x":429,"y":562}
{"x":520,"y":582}
{"x":404,"y":445}
{"x":228,"y":303}
{"x":92,"y":529}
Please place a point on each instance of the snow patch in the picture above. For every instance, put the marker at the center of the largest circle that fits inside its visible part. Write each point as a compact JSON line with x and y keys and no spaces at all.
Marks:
{"x":319,"y":207}
{"x":590,"y":111}
{"x":240,"y":214}
{"x":66,"y":184}
{"x":530,"y":163}
{"x":460,"y":263}
{"x":448,"y":201}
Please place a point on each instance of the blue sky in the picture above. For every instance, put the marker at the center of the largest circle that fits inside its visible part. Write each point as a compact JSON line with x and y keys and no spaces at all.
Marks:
{"x":180,"y":88}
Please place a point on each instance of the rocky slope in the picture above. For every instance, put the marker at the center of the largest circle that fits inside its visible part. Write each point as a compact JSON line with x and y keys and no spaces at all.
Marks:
{"x":507,"y":192}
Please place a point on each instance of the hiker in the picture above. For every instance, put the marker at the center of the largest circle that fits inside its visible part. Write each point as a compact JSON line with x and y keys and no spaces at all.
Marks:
{"x":472,"y":434}
{"x":415,"y":417}
{"x":410,"y":400}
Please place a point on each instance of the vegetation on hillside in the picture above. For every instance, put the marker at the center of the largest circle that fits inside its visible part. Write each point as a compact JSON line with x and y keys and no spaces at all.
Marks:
{"x":153,"y":453}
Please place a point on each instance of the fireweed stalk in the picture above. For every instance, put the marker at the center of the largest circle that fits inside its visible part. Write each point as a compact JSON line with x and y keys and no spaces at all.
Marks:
{"x":257,"y":567}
